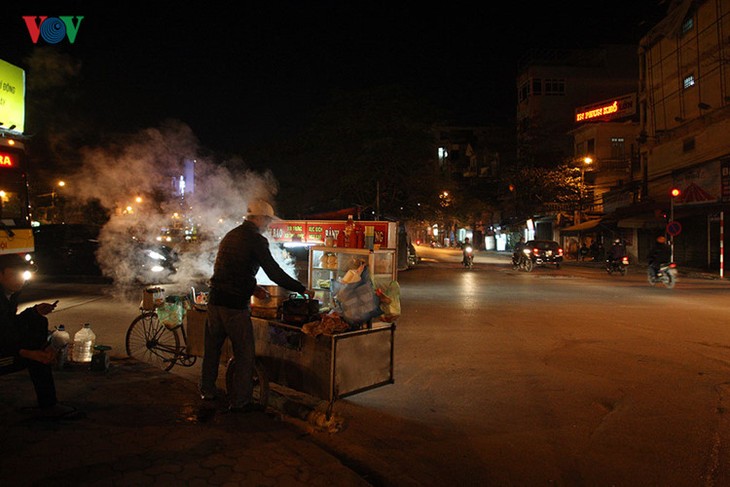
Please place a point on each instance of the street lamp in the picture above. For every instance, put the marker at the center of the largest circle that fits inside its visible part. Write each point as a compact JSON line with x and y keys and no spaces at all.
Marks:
{"x":673,"y":194}
{"x":586,"y":162}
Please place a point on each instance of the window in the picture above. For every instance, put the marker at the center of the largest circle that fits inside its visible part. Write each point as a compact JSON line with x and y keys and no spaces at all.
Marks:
{"x":591,"y":146}
{"x":524,"y":91}
{"x":554,"y":87}
{"x":618,"y":148}
{"x":537,"y":86}
{"x":688,"y":82}
{"x":688,"y":24}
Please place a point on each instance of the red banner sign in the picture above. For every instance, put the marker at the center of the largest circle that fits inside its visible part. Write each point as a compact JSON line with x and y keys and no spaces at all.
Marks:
{"x":313,"y":231}
{"x":7,"y":159}
{"x":608,"y":109}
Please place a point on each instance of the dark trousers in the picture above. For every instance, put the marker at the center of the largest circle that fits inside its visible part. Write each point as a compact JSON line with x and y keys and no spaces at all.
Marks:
{"x":42,"y":377}
{"x":34,"y":332}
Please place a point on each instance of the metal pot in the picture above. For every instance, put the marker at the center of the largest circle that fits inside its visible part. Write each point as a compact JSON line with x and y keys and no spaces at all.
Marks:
{"x":269,"y":307}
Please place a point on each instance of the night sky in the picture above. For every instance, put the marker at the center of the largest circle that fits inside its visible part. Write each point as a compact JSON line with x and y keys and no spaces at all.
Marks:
{"x":239,"y":74}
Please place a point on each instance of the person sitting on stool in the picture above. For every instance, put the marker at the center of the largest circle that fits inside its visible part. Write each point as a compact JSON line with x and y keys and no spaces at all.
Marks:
{"x":24,"y":337}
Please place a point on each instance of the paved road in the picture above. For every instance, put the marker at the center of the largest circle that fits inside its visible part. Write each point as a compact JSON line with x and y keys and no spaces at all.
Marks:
{"x":562,"y":377}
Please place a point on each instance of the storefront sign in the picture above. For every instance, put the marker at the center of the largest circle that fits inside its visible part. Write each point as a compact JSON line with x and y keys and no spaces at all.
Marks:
{"x":314,"y":231}
{"x":702,"y":184}
{"x":12,"y":97}
{"x":725,"y":180}
{"x":7,"y":159}
{"x":608,"y":109}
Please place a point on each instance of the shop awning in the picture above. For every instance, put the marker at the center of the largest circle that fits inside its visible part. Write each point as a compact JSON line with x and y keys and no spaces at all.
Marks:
{"x":642,"y":221}
{"x":581,"y":227}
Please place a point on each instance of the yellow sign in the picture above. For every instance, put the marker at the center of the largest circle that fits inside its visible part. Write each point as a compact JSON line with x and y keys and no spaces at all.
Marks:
{"x":20,"y":242}
{"x":12,"y":97}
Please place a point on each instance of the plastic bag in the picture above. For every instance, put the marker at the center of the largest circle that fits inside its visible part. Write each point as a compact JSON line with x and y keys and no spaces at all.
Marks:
{"x":171,"y":314}
{"x":356,"y":302}
{"x":389,"y":301}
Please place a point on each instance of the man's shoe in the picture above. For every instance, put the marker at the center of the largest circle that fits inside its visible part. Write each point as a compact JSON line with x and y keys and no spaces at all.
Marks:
{"x":247,"y":408}
{"x":207,"y":397}
{"x":60,"y":412}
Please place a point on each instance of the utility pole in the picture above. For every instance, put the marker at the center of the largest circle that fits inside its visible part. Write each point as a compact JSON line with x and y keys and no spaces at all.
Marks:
{"x":377,"y":200}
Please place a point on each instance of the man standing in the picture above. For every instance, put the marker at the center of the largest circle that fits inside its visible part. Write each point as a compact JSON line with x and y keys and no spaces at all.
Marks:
{"x":24,"y":339}
{"x":241,"y":253}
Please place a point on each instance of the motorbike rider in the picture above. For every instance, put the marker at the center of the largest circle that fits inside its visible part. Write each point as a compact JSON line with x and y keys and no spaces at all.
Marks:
{"x":519,"y":247}
{"x":617,"y":251}
{"x":660,"y":254}
{"x":464,"y":246}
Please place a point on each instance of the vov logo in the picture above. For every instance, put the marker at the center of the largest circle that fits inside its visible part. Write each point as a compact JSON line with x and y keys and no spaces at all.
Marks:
{"x":52,"y":29}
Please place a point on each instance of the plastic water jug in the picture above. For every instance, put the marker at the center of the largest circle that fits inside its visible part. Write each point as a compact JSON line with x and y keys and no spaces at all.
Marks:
{"x":59,"y":341}
{"x":84,"y":341}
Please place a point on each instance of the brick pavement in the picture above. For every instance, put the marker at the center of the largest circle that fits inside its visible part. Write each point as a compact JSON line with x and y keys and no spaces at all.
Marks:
{"x":144,"y":426}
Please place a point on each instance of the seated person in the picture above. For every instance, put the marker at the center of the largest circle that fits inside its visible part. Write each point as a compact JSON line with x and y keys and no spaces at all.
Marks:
{"x":24,"y":336}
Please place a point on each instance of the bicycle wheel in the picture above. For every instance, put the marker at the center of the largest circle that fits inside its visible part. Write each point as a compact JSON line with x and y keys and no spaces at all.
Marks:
{"x":260,"y":381}
{"x":150,"y":341}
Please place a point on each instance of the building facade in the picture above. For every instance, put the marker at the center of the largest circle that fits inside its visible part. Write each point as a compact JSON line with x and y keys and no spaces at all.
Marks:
{"x":552,"y":83}
{"x":684,"y":99}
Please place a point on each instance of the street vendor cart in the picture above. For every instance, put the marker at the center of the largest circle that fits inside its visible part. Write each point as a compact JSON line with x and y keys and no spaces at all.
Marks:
{"x":328,"y":365}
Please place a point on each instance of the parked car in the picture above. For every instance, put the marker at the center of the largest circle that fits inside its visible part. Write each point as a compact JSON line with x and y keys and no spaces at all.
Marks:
{"x":67,"y":249}
{"x":542,"y":253}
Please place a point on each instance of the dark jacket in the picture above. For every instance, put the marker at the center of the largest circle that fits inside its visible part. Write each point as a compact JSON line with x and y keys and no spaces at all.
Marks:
{"x":241,"y":253}
{"x":660,"y":254}
{"x":16,"y":331}
{"x":617,"y":252}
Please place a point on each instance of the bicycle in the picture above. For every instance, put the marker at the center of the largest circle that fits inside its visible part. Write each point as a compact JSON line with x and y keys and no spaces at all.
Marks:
{"x":150,"y":340}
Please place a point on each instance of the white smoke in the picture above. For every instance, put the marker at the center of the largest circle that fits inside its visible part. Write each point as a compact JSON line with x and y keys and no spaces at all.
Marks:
{"x":136,"y":179}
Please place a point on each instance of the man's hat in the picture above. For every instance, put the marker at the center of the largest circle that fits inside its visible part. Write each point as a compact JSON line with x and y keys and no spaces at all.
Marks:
{"x":260,"y":208}
{"x":14,"y":261}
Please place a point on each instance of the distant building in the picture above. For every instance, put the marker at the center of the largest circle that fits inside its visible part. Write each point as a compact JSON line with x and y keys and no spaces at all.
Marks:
{"x":552,"y":83}
{"x":471,"y":152}
{"x":606,"y":132}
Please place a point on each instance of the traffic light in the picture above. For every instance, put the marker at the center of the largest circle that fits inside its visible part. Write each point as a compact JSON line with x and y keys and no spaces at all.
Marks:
{"x":675,"y":192}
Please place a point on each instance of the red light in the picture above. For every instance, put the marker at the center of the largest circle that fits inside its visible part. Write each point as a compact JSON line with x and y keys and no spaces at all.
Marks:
{"x":675,"y":192}
{"x":560,"y":251}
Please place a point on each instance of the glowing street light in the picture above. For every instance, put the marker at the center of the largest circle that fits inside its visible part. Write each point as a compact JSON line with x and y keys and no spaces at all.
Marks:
{"x":587,"y":161}
{"x":674,"y":193}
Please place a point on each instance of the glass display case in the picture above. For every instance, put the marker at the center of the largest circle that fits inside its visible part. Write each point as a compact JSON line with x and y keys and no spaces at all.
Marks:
{"x":327,"y":263}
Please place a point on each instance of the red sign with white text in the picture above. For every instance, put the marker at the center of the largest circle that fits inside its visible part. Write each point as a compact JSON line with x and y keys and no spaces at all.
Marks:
{"x":313,"y":231}
{"x":7,"y":159}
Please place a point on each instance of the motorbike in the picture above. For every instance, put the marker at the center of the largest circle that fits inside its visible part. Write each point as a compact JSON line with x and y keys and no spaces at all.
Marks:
{"x":667,"y":275}
{"x":615,"y":265}
{"x":516,"y":260}
{"x":468,"y":257}
{"x":156,"y":263}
